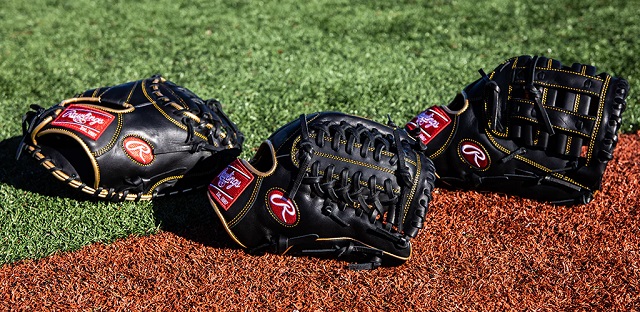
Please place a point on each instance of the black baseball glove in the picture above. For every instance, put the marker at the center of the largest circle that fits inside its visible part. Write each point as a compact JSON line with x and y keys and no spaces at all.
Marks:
{"x":328,"y":184}
{"x":134,"y":141}
{"x":532,"y":127}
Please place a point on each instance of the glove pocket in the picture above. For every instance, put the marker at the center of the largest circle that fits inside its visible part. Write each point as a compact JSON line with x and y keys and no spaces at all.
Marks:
{"x":74,"y":139}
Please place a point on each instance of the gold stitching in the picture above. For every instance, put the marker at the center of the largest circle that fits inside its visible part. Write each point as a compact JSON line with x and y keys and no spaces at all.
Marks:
{"x":113,"y":140}
{"x":175,"y":122}
{"x":414,"y":187}
{"x":534,"y":164}
{"x":448,"y":141}
{"x":562,"y":87}
{"x":294,"y":149}
{"x":129,"y":156}
{"x":94,"y":161}
{"x":131,"y":92}
{"x":266,"y":197}
{"x":576,"y":103}
{"x":555,"y":108}
{"x":599,"y":119}
{"x":483,"y":149}
{"x":163,"y":181}
{"x":564,"y":71}
{"x":249,"y":203}
{"x":63,"y":176}
{"x":355,"y":162}
{"x":557,"y":127}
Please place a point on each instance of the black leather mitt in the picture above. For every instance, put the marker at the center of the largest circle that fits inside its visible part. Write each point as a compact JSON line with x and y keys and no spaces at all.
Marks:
{"x":328,"y":184}
{"x":133,"y":141}
{"x":532,"y":127}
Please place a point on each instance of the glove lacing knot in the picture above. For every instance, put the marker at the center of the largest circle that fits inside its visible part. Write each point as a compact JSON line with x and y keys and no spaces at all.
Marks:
{"x":340,"y":189}
{"x":543,"y":116}
{"x":207,"y":116}
{"x":31,"y":119}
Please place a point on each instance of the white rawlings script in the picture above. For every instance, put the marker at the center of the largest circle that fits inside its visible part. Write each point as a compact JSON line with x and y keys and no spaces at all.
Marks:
{"x":428,"y":121}
{"x":228,"y":180}
{"x":143,"y":150}
{"x":83,"y":118}
{"x":475,"y":152}
{"x":287,"y":206}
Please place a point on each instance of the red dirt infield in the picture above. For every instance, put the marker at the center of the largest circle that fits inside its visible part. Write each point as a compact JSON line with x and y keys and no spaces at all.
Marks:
{"x":477,"y":252}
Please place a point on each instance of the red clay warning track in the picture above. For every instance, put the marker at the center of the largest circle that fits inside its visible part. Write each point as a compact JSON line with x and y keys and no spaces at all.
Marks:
{"x":477,"y":252}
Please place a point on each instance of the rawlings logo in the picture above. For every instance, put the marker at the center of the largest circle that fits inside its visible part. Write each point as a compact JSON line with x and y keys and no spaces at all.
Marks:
{"x":227,"y":180}
{"x":430,"y":122}
{"x":474,"y":154}
{"x":230,"y":183}
{"x":82,"y":117}
{"x":138,"y":149}
{"x":282,"y":207}
{"x":427,"y":120}
{"x":88,"y":121}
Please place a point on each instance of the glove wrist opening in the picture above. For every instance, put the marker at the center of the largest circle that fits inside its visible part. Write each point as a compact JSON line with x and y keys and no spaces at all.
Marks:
{"x":264,"y":162}
{"x":459,"y":104}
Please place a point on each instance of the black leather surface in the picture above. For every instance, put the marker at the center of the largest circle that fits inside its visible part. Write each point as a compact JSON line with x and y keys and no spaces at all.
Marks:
{"x":184,"y":141}
{"x":253,"y":224}
{"x":565,"y":166}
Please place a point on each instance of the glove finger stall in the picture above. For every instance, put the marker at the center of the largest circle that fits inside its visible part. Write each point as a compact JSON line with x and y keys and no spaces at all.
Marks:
{"x":328,"y":184}
{"x":531,"y":127}
{"x":133,"y":141}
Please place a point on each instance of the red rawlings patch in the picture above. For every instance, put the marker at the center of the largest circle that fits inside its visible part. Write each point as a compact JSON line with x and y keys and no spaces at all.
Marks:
{"x":430,"y":122}
{"x":230,"y":183}
{"x":474,"y":154}
{"x":138,"y":149}
{"x":88,"y":121}
{"x":282,"y":207}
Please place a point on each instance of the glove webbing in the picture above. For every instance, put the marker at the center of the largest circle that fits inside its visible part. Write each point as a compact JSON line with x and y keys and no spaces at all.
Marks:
{"x":342,"y":190}
{"x":202,"y":116}
{"x":543,"y":116}
{"x":30,"y":120}
{"x":491,"y":94}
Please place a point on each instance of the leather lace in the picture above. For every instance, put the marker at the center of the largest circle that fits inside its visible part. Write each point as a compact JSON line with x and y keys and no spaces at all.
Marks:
{"x":533,"y":94}
{"x":542,"y":115}
{"x":351,"y":186}
{"x":28,"y":123}
{"x":205,"y":110}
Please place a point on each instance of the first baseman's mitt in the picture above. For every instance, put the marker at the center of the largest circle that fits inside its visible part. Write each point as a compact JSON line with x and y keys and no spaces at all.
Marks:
{"x":532,"y":127}
{"x":133,"y":141}
{"x":328,"y":184}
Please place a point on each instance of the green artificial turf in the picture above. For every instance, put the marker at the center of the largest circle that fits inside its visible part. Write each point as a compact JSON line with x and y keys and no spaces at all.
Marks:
{"x":268,"y":62}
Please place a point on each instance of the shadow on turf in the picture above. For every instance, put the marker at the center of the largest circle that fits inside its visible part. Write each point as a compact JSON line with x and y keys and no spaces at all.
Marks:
{"x":25,"y":173}
{"x":190,"y":216}
{"x":187,"y":215}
